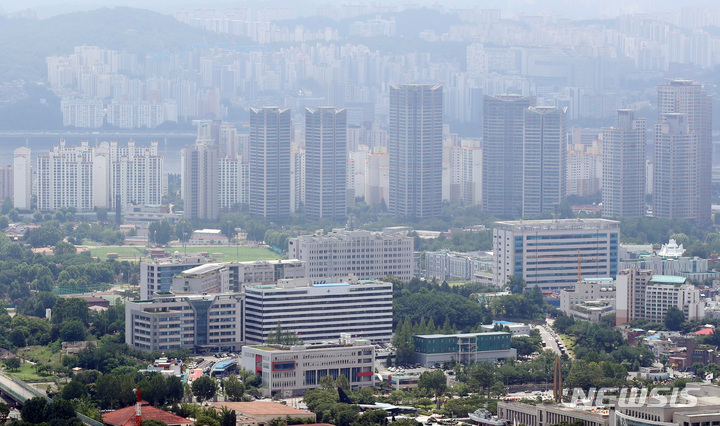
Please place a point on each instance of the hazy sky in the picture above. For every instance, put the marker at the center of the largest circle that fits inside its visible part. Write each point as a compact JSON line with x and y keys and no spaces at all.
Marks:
{"x":568,"y":8}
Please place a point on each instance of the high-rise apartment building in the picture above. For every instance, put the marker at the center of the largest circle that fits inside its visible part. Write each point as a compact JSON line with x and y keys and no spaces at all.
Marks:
{"x":135,"y":174}
{"x":270,"y":130}
{"x":584,"y":169}
{"x":22,"y":179}
{"x":688,"y":98}
{"x":230,"y":182}
{"x":199,"y":173}
{"x":415,"y":149}
{"x":297,"y":179}
{"x":675,"y":194}
{"x":364,"y":254}
{"x":326,"y":159}
{"x":466,"y":174}
{"x":544,"y":159}
{"x":6,"y":182}
{"x":377,"y":178}
{"x":623,"y":192}
{"x":503,"y":124}
{"x":553,"y":254}
{"x":642,"y":295}
{"x":65,"y":178}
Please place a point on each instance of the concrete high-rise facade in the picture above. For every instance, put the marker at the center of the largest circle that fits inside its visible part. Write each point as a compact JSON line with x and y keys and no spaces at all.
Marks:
{"x":65,"y":178}
{"x":135,"y":175}
{"x":623,"y":190}
{"x":502,"y":177}
{"x":199,"y":172}
{"x":270,"y":130}
{"x":6,"y":182}
{"x":415,"y":150}
{"x":544,"y":159}
{"x":326,"y":160}
{"x":22,"y":179}
{"x":547,"y":253}
{"x":688,"y":98}
{"x":675,"y":180}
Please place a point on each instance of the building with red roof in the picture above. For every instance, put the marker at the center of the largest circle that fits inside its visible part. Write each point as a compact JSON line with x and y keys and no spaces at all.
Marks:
{"x":126,"y":416}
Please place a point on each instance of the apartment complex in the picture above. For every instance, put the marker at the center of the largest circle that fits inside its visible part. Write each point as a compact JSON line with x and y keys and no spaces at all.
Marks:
{"x":365,"y":254}
{"x":326,"y":158}
{"x":642,"y":295}
{"x":623,"y":167}
{"x":320,"y":310}
{"x":196,"y":322}
{"x":6,"y":182}
{"x":65,"y":178}
{"x":292,"y":370}
{"x":415,"y":150}
{"x":551,"y":254}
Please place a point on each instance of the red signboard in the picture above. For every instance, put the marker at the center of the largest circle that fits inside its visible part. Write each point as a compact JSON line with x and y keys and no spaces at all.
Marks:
{"x":367,"y":373}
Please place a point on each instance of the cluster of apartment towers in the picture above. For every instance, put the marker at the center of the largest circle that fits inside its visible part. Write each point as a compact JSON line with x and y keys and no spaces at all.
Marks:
{"x":523,"y":167}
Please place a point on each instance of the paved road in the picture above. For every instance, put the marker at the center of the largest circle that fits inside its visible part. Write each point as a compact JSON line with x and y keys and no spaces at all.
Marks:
{"x":9,"y":384}
{"x":548,"y":339}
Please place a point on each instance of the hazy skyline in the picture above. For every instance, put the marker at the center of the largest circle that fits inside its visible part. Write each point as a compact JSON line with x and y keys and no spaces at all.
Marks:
{"x":564,"y":8}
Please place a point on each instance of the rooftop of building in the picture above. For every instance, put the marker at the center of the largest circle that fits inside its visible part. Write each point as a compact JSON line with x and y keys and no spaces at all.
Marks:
{"x":558,"y":224}
{"x":307,"y":283}
{"x":126,"y":416}
{"x":263,"y":408}
{"x":202,"y":269}
{"x":460,"y":335}
{"x":667,"y":279}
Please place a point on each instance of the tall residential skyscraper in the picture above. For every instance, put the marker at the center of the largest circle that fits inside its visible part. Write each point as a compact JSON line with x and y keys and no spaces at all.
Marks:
{"x":200,"y":180}
{"x":270,"y":129}
{"x":65,"y":178}
{"x":689,"y":98}
{"x":623,"y":180}
{"x":674,"y":177}
{"x":326,"y":159}
{"x":503,"y":123}
{"x":22,"y":179}
{"x":6,"y":182}
{"x":415,"y":150}
{"x":544,"y":159}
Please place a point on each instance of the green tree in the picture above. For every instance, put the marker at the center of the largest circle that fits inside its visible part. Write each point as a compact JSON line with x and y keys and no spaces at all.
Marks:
{"x":34,"y":410}
{"x":73,"y":331}
{"x":70,"y":309}
{"x":674,"y":318}
{"x":175,"y":389}
{"x":204,"y":388}
{"x":4,"y":412}
{"x":516,"y":284}
{"x":404,"y":343}
{"x":281,"y":336}
{"x":7,"y":205}
{"x":63,"y":247}
{"x":207,"y":421}
{"x":12,"y":364}
{"x":434,"y":381}
{"x":234,"y":388}
{"x":73,"y":390}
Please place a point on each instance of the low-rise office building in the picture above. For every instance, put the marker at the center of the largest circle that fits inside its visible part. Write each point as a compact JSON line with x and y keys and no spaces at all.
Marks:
{"x":431,"y":349}
{"x":207,"y":278}
{"x":365,"y":254}
{"x":210,"y":322}
{"x":292,"y":370}
{"x":590,"y":299}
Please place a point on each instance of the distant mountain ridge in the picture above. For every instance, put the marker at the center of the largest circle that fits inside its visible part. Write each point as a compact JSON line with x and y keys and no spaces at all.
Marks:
{"x":24,"y":43}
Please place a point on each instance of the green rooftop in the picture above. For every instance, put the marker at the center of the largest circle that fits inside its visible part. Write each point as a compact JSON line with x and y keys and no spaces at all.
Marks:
{"x":667,"y":279}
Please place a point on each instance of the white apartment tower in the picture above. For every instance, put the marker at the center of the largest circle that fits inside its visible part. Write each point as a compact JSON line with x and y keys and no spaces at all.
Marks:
{"x":675,"y":193}
{"x":65,"y":178}
{"x":623,"y":191}
{"x":22,"y":179}
{"x":199,"y":172}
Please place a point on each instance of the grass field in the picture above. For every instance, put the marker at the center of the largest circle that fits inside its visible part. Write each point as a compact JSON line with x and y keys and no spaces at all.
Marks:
{"x":221,"y":253}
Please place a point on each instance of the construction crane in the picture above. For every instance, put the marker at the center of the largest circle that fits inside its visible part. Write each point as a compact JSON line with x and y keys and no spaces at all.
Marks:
{"x":579,"y":258}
